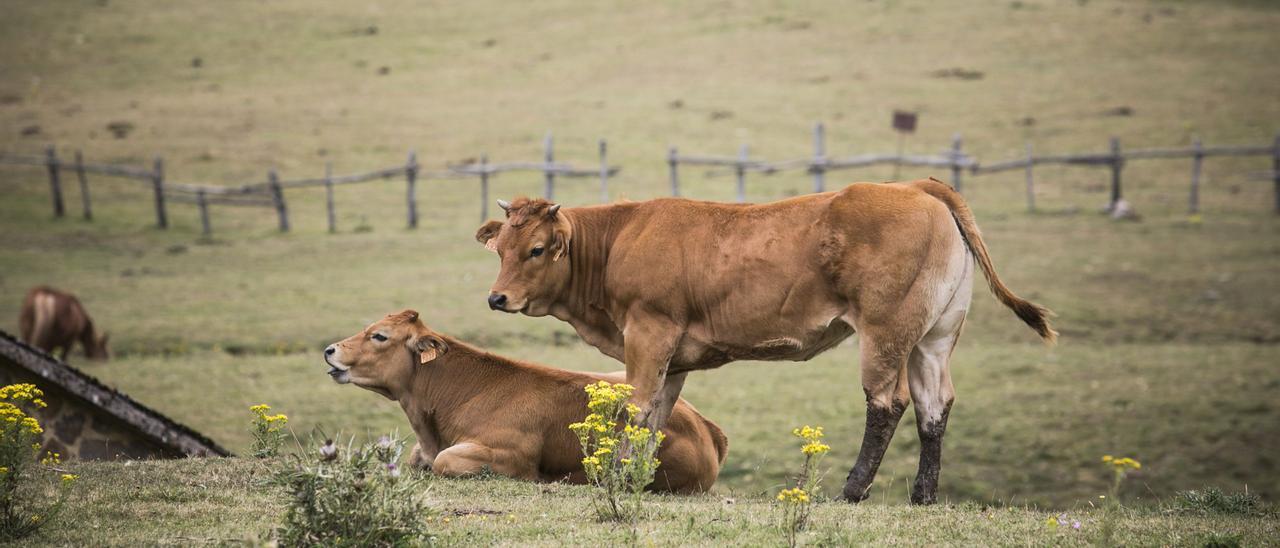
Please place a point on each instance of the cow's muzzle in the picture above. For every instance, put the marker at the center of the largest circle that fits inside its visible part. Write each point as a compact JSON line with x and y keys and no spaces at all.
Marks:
{"x":497,"y":301}
{"x":338,"y":374}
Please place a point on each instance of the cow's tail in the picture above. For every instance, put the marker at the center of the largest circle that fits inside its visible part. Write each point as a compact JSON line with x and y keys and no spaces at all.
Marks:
{"x":718,"y":438}
{"x":1033,"y":314}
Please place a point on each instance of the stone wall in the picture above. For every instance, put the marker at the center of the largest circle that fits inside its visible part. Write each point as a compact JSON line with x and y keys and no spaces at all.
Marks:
{"x":77,"y":430}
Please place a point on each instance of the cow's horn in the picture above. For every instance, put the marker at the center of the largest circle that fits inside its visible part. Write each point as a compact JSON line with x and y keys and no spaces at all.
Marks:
{"x":553,"y":210}
{"x":505,"y":205}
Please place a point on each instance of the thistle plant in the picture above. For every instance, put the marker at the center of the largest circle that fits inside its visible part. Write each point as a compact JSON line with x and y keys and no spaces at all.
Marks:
{"x":268,"y":431}
{"x":23,"y":480}
{"x":356,"y":496}
{"x":797,"y":501}
{"x":619,"y":462}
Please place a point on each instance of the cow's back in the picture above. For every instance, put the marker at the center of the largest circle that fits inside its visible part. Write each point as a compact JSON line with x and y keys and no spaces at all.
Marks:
{"x":51,"y":319}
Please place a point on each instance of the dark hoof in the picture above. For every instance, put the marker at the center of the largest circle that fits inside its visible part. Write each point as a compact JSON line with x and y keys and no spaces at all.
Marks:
{"x":923,"y":499}
{"x":854,"y":496}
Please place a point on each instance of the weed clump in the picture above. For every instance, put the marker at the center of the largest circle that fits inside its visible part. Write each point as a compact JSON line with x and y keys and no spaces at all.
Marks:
{"x":268,"y":431}
{"x":797,"y":501}
{"x":25,"y":504}
{"x":353,"y":496}
{"x":1213,"y":501}
{"x":619,"y":462}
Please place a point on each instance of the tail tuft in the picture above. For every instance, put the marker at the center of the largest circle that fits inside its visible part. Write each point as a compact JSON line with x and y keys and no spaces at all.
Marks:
{"x":1037,"y":317}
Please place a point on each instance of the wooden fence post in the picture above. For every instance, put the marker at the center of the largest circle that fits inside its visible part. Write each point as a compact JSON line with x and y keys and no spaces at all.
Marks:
{"x":328,"y":196}
{"x":277,"y":195}
{"x":550,"y":190}
{"x":205,"y":229}
{"x":55,"y":183}
{"x":819,"y":166}
{"x":604,"y":172}
{"x":484,"y":188}
{"x":1031,"y":184}
{"x":411,"y":178}
{"x":1197,"y":161}
{"x":157,"y":184}
{"x":1275,"y":170}
{"x":84,"y":186}
{"x":1117,"y":164}
{"x":672,"y":160}
{"x":956,"y":155}
{"x":740,"y":170}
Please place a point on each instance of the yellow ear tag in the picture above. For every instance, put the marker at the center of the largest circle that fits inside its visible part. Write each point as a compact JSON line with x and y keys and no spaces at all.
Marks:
{"x":429,"y":354}
{"x":491,"y":244}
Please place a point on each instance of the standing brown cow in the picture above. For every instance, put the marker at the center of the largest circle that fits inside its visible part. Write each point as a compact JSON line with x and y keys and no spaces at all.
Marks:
{"x":671,"y":286}
{"x":53,"y":319}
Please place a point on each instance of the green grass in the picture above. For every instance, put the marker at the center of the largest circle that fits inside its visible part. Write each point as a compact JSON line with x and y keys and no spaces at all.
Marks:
{"x":1169,"y":328}
{"x":223,"y":501}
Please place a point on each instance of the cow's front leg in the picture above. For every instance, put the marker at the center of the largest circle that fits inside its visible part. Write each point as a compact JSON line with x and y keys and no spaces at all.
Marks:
{"x":467,"y":459}
{"x":648,"y":349}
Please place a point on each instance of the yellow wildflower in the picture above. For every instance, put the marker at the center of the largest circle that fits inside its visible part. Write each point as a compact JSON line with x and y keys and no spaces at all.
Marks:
{"x":794,"y":495}
{"x":815,"y":448}
{"x":67,"y":479}
{"x":1121,"y":464}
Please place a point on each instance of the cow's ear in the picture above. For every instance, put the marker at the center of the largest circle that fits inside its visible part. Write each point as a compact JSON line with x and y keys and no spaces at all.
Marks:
{"x":561,"y":235}
{"x":488,"y":233}
{"x":429,"y":347}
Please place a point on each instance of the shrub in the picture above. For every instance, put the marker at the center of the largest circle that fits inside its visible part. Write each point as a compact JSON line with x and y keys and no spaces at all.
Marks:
{"x":620,"y":463}
{"x":356,"y":496}
{"x":268,"y":431}
{"x":25,"y":506}
{"x":797,"y":501}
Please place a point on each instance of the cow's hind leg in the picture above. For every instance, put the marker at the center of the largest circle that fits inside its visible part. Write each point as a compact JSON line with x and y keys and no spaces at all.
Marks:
{"x":884,"y":380}
{"x":929,"y":376}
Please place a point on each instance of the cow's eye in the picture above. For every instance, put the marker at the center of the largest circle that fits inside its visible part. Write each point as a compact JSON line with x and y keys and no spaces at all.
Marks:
{"x":537,"y":251}
{"x":379,"y":337}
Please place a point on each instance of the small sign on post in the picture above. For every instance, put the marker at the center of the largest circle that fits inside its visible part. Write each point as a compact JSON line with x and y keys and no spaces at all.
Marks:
{"x":903,"y":122}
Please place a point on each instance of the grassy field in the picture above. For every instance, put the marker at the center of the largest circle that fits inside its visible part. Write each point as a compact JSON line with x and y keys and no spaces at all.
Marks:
{"x":1169,"y":327}
{"x":222,"y":502}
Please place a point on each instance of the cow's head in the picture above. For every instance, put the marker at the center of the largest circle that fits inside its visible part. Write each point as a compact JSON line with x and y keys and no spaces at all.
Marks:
{"x":99,"y":349}
{"x":383,"y":357}
{"x":533,"y":244}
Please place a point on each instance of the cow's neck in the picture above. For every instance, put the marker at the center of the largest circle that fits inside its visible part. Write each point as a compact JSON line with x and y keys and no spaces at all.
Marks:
{"x":584,"y":303}
{"x":441,"y":390}
{"x":88,"y":336}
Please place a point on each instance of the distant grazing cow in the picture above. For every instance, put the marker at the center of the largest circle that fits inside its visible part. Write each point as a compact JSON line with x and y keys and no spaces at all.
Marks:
{"x":473,"y":410}
{"x":53,"y":319}
{"x":671,"y":286}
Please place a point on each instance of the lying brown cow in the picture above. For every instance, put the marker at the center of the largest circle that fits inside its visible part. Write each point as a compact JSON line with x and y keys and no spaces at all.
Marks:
{"x":671,"y":286}
{"x":473,"y":410}
{"x":52,"y":319}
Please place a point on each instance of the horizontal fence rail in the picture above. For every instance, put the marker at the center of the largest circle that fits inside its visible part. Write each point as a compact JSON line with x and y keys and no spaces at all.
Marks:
{"x":271,"y":193}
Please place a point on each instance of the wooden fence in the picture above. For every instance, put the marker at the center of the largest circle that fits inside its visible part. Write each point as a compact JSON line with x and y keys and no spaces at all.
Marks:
{"x":819,"y":164}
{"x":1114,"y":159}
{"x":271,"y":193}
